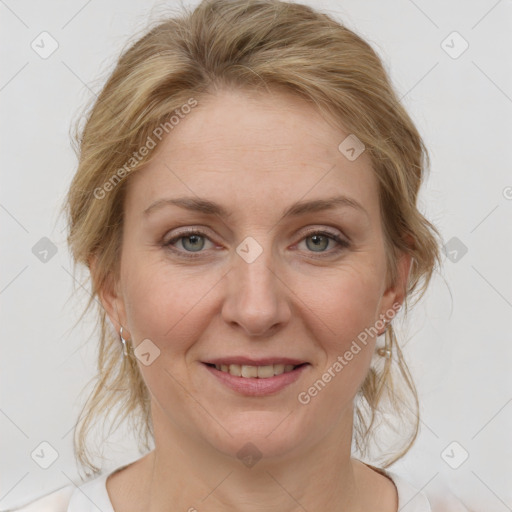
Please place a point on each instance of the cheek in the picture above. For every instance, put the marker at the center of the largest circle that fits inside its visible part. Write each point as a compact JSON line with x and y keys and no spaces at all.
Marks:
{"x":346,"y":301}
{"x":164,"y":304}
{"x":168,"y":309}
{"x":342,"y":311}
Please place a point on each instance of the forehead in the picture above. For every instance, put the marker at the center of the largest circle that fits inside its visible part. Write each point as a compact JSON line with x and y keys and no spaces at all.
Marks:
{"x":253,"y":149}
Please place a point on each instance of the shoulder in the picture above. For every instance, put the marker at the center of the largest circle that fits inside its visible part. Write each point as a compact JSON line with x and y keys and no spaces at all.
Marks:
{"x":436,"y":498}
{"x":433,"y":496}
{"x":56,"y":501}
{"x":89,"y":496}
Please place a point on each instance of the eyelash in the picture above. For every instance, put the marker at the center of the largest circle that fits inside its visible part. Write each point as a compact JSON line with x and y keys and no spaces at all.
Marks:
{"x":342,"y":243}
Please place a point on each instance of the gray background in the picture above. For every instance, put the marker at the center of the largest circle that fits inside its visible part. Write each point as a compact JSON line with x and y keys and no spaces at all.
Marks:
{"x":459,"y":340}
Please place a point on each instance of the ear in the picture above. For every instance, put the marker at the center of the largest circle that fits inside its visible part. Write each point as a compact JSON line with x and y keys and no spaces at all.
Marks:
{"x":110,"y":299}
{"x":394,"y":295}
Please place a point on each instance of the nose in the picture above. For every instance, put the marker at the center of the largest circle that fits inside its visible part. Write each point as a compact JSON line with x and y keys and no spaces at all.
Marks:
{"x":256,"y":297}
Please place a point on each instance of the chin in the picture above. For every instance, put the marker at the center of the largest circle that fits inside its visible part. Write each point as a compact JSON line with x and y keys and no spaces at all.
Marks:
{"x":256,"y":434}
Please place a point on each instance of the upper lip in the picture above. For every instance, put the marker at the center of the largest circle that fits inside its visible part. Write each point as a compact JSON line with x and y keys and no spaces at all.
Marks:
{"x":248,"y":361}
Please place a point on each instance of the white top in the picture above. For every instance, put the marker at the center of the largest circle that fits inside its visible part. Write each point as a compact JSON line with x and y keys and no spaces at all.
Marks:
{"x":92,"y":496}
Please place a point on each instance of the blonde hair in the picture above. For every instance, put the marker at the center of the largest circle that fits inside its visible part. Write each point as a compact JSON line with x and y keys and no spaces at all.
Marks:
{"x":236,"y":43}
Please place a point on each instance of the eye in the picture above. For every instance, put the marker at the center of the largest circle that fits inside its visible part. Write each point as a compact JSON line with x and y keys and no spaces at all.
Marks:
{"x":318,"y":241}
{"x":193,"y":241}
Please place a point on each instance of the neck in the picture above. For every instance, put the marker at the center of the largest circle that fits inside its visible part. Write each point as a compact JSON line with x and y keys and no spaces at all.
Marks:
{"x":187,"y":474}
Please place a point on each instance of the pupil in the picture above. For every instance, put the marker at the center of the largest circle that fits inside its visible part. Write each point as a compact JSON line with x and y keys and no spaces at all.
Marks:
{"x":194,"y":239}
{"x":317,"y":241}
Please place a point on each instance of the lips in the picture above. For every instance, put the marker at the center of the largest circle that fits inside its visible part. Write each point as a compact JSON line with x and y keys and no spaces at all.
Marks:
{"x":256,"y":380}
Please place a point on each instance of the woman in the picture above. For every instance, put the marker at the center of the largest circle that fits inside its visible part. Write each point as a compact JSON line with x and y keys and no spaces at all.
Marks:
{"x":246,"y":204}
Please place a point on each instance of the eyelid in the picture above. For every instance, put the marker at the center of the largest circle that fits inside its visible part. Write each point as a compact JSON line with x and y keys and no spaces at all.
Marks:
{"x":326,"y":230}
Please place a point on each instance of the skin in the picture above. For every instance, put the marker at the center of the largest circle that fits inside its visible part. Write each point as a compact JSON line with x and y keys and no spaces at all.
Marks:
{"x":255,"y":154}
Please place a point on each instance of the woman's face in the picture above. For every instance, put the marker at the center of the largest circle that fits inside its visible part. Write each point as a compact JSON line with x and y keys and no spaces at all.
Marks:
{"x":262,"y":278}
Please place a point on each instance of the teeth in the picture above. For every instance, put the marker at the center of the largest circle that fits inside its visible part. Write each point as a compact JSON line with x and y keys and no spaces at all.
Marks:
{"x":264,"y":372}
{"x":249,"y":371}
{"x":234,"y":369}
{"x":279,"y":368}
{"x":261,"y":372}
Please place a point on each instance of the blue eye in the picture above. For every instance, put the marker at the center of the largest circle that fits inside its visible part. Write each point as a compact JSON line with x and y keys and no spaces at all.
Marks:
{"x":193,"y":239}
{"x":321,"y":239}
{"x":192,"y":243}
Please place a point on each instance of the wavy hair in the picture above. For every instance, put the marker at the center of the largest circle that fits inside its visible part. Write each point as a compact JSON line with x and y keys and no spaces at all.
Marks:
{"x":253,"y":45}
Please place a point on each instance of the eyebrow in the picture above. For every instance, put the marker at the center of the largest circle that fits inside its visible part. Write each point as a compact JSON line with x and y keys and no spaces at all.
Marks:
{"x":299,"y":208}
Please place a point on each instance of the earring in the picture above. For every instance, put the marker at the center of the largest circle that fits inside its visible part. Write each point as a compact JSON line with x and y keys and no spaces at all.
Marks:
{"x":123,"y":341}
{"x":384,"y":351}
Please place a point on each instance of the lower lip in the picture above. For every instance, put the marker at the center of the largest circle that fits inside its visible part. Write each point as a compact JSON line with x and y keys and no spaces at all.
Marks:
{"x":257,"y":387}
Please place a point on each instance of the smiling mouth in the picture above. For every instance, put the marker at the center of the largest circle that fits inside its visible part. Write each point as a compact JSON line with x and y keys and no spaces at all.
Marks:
{"x":253,"y":372}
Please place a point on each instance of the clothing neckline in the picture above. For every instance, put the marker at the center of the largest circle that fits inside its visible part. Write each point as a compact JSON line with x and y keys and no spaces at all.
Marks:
{"x":409,"y":497}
